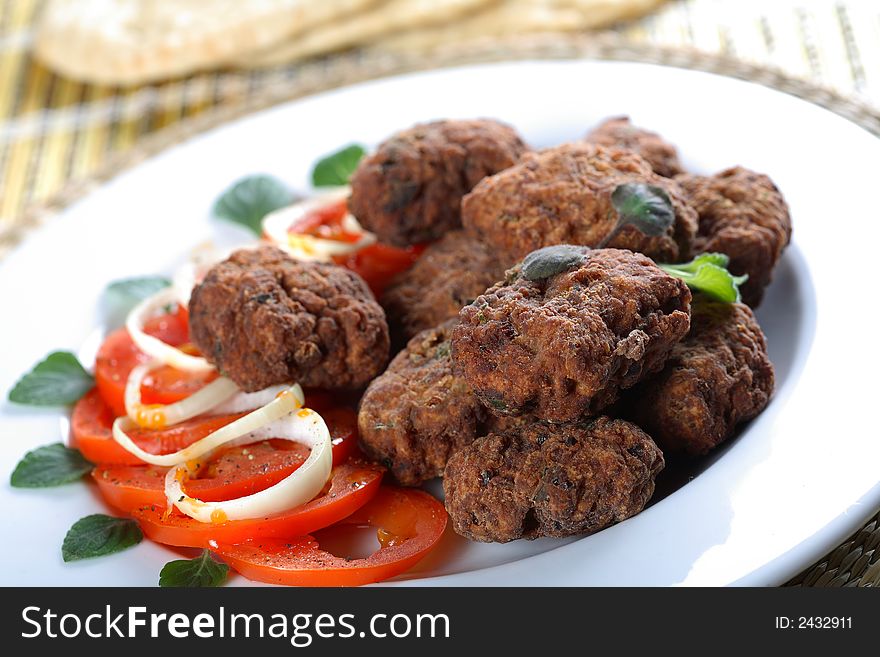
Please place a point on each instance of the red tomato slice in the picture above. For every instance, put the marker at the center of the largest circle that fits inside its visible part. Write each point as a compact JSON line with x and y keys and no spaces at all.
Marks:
{"x":118,"y":355}
{"x":342,"y":424}
{"x":91,"y":433}
{"x":325,"y":222}
{"x":409,"y":523}
{"x":237,"y":472}
{"x":377,"y":264}
{"x":351,"y":486}
{"x":92,"y":422}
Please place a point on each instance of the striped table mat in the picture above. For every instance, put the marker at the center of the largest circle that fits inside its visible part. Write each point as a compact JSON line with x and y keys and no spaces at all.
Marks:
{"x":53,"y":129}
{"x":59,"y":137}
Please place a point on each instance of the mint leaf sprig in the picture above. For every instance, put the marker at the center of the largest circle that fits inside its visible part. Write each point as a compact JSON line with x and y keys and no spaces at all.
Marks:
{"x":708,"y":273}
{"x":58,"y":380}
{"x":646,"y":207}
{"x":335,"y":169}
{"x":50,"y":465}
{"x":98,"y":535}
{"x":250,"y":199}
{"x":199,"y":572}
{"x":123,"y":295}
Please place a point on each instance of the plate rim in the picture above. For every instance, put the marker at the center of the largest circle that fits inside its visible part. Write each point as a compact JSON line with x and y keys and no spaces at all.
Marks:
{"x":852,"y":523}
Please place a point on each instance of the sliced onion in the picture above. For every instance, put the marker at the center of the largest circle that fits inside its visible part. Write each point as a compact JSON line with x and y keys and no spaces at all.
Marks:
{"x":154,"y":347}
{"x":246,"y":401}
{"x":189,"y":274}
{"x":276,"y":227}
{"x":245,"y":429}
{"x":158,"y":416}
{"x":304,"y":426}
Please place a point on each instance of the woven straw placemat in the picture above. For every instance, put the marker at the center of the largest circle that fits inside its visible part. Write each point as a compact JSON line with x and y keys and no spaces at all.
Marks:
{"x":856,"y":562}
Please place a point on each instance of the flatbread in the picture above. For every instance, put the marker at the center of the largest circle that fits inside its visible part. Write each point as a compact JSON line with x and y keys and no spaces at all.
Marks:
{"x":520,"y":17}
{"x":134,"y":41}
{"x":366,"y":27}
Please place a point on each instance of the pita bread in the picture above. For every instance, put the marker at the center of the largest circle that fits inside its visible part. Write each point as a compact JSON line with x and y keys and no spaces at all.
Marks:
{"x":134,"y":41}
{"x":520,"y":16}
{"x":366,"y":27}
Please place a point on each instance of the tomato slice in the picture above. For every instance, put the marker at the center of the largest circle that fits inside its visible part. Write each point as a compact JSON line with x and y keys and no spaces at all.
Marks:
{"x":91,"y":432}
{"x":325,"y":222}
{"x":351,"y":486}
{"x":342,"y":424}
{"x":409,"y":523}
{"x":378,"y":263}
{"x":236,"y":472}
{"x":118,"y":355}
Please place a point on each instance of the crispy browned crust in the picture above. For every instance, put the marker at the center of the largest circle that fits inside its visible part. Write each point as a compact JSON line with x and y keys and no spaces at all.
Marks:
{"x":744,"y":215}
{"x":716,"y":378}
{"x":410,"y":189}
{"x":264,"y":318}
{"x":450,"y":274}
{"x":563,"y":196}
{"x":565,"y":346}
{"x":550,"y":480}
{"x":619,"y":131}
{"x":418,"y":413}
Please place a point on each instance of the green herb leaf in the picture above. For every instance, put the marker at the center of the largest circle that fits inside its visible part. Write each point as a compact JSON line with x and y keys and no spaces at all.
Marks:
{"x":97,"y":535}
{"x":335,"y":169}
{"x":201,"y":571}
{"x":250,"y":199}
{"x":50,"y":465}
{"x":647,"y":207}
{"x":57,"y":381}
{"x":707,"y":273}
{"x":552,"y":260}
{"x":123,"y":295}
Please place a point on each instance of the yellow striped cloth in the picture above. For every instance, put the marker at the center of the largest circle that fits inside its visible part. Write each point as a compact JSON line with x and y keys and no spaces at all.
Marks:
{"x":53,"y":130}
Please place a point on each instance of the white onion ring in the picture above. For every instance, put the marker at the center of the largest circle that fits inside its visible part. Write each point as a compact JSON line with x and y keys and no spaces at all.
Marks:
{"x":308,"y":247}
{"x":154,"y":347}
{"x":302,"y":485}
{"x":158,"y":416}
{"x":191,"y":273}
{"x":245,"y":429}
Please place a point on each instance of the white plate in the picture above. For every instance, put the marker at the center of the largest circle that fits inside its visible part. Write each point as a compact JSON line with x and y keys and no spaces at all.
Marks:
{"x":799,"y":478}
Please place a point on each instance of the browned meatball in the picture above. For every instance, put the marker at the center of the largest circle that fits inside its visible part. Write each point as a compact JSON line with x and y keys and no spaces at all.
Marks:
{"x":264,"y":318}
{"x":551,"y":480}
{"x":744,"y":215}
{"x":410,"y":189}
{"x":450,"y":274}
{"x":659,"y":153}
{"x":418,"y":413}
{"x":563,"y":196}
{"x":589,"y":324}
{"x":716,"y":378}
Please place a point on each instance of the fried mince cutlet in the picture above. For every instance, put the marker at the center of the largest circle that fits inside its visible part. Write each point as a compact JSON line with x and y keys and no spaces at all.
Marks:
{"x":451,"y":273}
{"x":742,"y":214}
{"x":264,"y":318}
{"x":543,"y":479}
{"x":563,"y":195}
{"x":567,"y":330}
{"x":716,"y":378}
{"x":409,"y":191}
{"x":619,"y":131}
{"x":418,"y":413}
